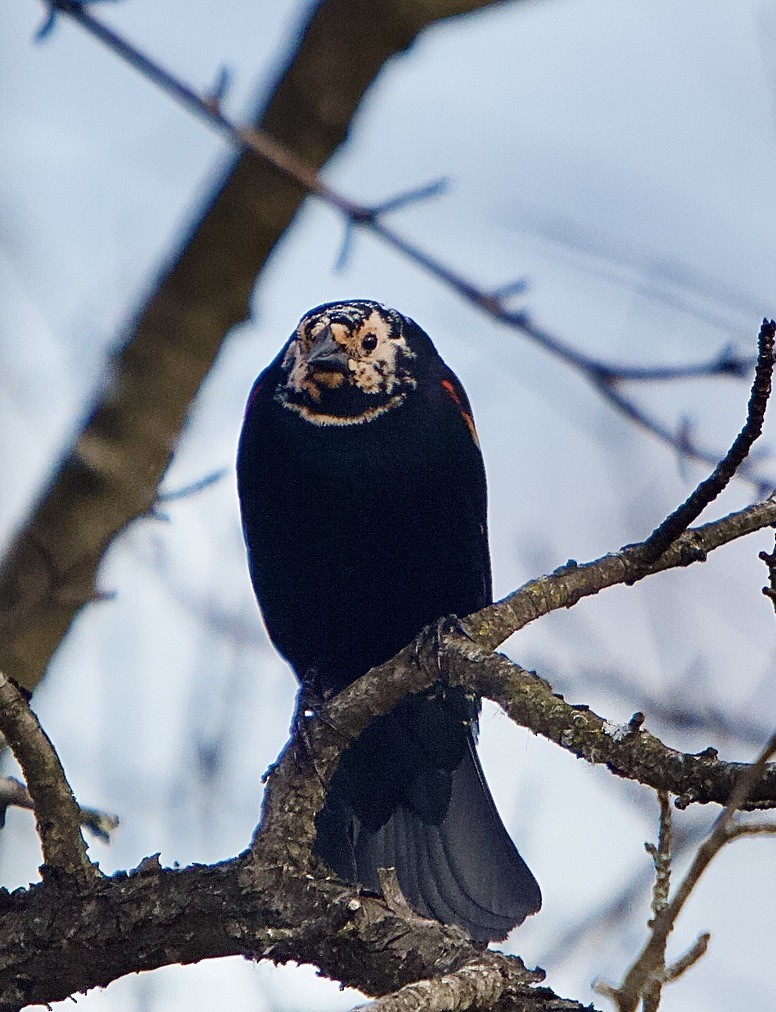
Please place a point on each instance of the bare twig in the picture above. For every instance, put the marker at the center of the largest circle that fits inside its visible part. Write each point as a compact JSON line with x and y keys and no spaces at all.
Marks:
{"x":649,"y":970}
{"x":401,"y":200}
{"x":570,"y":583}
{"x":661,"y":855}
{"x":56,"y":812}
{"x":604,"y":376}
{"x":193,"y":488}
{"x":680,"y":439}
{"x":709,"y":489}
{"x":606,"y":919}
{"x":100,"y":823}
{"x":751,"y":829}
{"x":13,"y":793}
{"x":724,"y":363}
{"x":690,"y":958}
{"x":770,"y":561}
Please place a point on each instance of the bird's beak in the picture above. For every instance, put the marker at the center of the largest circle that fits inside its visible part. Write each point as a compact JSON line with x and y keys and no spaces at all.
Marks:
{"x":327,"y":353}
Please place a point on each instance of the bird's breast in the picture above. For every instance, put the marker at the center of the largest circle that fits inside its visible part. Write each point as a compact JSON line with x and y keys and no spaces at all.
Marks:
{"x":358,"y":537}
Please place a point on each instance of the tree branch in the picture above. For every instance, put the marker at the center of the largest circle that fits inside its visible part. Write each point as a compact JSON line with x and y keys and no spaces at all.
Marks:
{"x":570,"y":583}
{"x":13,"y":794}
{"x":650,"y":969}
{"x":57,"y":815}
{"x":628,"y":751}
{"x":709,"y":489}
{"x":154,"y":917}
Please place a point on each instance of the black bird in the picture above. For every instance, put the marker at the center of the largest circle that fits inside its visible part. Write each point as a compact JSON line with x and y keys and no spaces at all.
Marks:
{"x":363,"y":501}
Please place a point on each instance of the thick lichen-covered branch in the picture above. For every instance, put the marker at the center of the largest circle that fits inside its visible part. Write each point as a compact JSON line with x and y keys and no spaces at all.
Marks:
{"x":53,"y":945}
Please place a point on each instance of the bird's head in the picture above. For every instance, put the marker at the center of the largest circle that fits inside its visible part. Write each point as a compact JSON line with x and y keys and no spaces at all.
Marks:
{"x":350,"y":362}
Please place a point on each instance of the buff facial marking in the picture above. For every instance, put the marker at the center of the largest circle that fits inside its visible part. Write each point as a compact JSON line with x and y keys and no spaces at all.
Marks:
{"x":358,"y":346}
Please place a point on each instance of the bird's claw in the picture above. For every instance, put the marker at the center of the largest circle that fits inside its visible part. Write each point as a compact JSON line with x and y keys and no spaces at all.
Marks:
{"x":433,"y":640}
{"x":311,"y":699}
{"x":310,"y":702}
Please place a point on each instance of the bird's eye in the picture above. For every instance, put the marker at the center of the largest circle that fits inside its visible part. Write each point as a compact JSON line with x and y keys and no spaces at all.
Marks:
{"x":369,"y":342}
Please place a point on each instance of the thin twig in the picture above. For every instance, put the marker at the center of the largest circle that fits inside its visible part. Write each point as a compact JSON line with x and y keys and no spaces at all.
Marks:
{"x":724,"y":363}
{"x":14,"y":794}
{"x":661,"y":855}
{"x":650,"y":965}
{"x":751,"y":829}
{"x":570,"y":583}
{"x":681,"y":439}
{"x":193,"y":488}
{"x":401,"y":200}
{"x":56,"y":811}
{"x":603,"y":921}
{"x":100,"y":823}
{"x":710,"y":488}
{"x":605,"y":377}
{"x":690,"y":958}
{"x":769,"y":558}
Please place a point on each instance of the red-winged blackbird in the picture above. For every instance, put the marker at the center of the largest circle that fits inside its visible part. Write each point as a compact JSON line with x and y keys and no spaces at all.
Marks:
{"x":363,"y":501}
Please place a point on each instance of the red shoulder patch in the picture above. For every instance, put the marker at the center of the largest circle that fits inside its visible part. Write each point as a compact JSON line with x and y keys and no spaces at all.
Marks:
{"x":253,"y":394}
{"x":455,"y":393}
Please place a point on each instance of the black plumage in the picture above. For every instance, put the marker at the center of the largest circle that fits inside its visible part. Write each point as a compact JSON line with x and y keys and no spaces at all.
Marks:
{"x":363,"y":500}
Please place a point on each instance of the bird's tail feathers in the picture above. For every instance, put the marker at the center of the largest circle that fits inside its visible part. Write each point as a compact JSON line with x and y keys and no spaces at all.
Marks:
{"x":465,"y":870}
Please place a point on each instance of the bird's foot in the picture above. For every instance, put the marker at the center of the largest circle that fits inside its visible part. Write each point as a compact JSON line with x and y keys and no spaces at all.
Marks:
{"x":311,"y":704}
{"x":311,"y":699}
{"x":432,"y":641}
